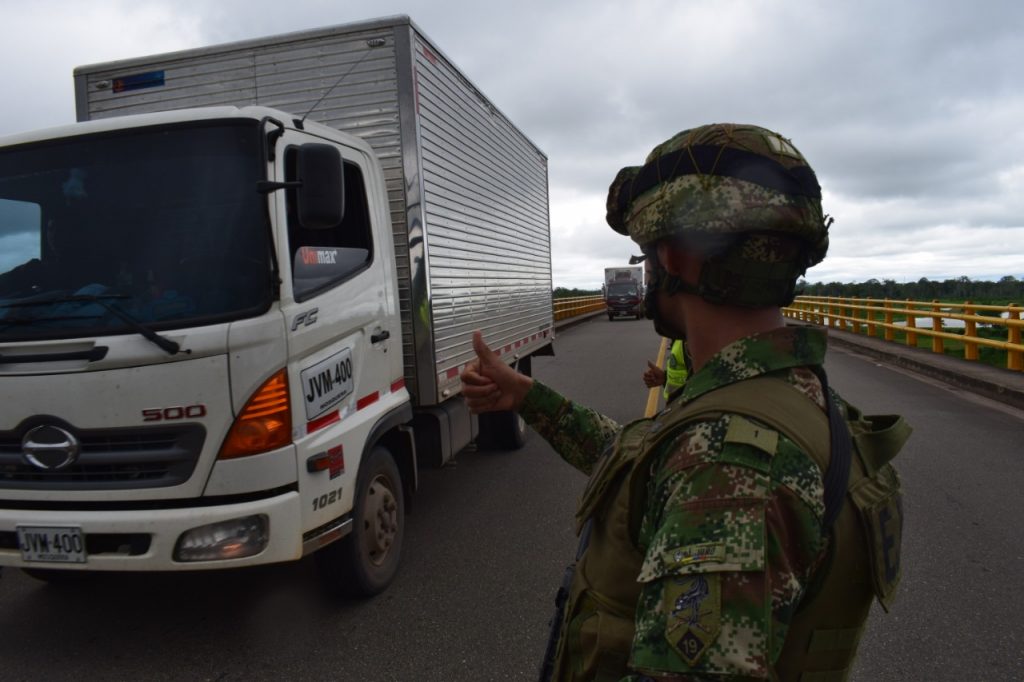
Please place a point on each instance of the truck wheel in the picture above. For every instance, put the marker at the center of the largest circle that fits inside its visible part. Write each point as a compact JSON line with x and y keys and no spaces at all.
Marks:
{"x":502,"y":431}
{"x":365,"y":562}
{"x":611,"y":317}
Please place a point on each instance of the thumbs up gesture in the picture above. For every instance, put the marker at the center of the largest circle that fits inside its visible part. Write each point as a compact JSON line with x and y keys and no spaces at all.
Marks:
{"x":654,"y":376}
{"x":489,"y":385}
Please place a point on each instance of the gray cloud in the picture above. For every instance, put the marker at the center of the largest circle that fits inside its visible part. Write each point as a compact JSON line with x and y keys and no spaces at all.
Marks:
{"x":909,"y":112}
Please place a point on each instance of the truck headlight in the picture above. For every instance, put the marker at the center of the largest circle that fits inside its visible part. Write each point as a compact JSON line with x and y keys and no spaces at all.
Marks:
{"x":232,"y":539}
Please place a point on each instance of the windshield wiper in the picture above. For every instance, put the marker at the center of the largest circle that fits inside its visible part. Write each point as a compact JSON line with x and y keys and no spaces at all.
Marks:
{"x":166,"y":344}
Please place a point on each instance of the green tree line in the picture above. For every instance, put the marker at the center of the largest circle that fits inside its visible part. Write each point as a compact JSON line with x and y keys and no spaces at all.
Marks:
{"x":562,"y":292}
{"x":1008,"y":289}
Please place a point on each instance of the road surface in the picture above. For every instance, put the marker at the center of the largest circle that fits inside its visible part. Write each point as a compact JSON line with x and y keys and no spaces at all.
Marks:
{"x":490,"y":534}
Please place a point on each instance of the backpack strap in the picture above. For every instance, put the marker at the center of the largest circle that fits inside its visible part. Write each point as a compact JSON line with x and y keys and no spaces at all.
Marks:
{"x":837,"y":473}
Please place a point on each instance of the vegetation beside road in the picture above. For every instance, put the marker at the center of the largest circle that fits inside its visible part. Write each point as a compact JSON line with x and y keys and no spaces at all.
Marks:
{"x":1008,"y":289}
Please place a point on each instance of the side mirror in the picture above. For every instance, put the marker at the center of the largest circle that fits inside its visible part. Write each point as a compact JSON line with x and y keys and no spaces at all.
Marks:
{"x":321,"y":196}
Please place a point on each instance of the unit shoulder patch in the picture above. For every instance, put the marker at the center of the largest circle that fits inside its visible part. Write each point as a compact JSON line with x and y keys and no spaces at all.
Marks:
{"x":694,"y":606}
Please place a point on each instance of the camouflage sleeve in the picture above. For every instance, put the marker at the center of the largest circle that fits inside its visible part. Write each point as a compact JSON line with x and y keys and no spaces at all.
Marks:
{"x":732,"y":536}
{"x":578,"y":434}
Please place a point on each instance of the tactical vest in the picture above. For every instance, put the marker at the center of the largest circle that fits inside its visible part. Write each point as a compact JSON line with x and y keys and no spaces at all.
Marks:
{"x":863,"y":559}
{"x":675,"y":369}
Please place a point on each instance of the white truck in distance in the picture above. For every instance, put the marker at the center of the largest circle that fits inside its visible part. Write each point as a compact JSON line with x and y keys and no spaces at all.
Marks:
{"x":235,"y":299}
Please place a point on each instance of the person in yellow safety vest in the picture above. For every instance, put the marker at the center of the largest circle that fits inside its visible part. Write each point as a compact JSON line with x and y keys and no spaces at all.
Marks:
{"x":677,"y":367}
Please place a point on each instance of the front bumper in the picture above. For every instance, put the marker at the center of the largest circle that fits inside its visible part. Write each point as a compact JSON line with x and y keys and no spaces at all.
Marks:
{"x":144,"y":539}
{"x":624,"y":308}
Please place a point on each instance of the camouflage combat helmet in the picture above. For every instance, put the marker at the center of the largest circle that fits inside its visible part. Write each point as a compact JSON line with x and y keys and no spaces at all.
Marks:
{"x":723,"y":180}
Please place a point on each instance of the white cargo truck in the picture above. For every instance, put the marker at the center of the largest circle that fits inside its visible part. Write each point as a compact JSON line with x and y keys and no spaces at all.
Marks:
{"x":236,"y":296}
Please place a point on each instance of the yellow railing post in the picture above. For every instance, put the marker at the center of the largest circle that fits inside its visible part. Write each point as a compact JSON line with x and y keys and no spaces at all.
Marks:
{"x":937,"y":345}
{"x":1014,"y":358}
{"x":652,"y":394}
{"x":869,"y":315}
{"x":889,"y":333}
{"x":970,"y":332}
{"x":911,"y":324}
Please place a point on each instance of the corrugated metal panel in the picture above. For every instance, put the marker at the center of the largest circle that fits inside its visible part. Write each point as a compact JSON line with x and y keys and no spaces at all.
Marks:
{"x":484,"y":203}
{"x":216,"y":80}
{"x":488,"y":240}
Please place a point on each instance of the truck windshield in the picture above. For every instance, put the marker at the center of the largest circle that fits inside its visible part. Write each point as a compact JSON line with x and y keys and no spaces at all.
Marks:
{"x":622,"y":289}
{"x":164,"y":223}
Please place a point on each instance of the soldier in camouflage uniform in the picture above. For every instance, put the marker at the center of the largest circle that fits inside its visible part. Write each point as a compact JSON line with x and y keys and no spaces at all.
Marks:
{"x":744,"y":532}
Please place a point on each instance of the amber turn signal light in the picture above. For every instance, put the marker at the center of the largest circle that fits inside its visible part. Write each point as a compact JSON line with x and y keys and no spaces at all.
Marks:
{"x":265,"y":423}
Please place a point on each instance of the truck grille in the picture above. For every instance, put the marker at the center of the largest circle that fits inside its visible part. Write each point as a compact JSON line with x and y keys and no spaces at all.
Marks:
{"x":110,"y":459}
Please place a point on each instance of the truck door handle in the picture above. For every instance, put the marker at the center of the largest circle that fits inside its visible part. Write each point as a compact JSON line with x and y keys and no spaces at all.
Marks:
{"x":382,"y":336}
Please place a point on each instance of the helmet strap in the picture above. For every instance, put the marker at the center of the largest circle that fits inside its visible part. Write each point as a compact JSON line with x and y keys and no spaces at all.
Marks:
{"x":663,"y":283}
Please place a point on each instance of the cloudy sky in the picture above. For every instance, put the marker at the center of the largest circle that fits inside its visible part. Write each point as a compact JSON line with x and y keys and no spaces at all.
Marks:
{"x":912,"y":113}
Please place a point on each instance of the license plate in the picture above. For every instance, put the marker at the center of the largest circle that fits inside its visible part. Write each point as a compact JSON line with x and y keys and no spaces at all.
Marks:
{"x":52,"y":544}
{"x":327,"y":383}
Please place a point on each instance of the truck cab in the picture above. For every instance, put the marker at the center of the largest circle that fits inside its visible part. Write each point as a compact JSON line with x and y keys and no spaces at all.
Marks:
{"x":198,"y":345}
{"x":623,"y":299}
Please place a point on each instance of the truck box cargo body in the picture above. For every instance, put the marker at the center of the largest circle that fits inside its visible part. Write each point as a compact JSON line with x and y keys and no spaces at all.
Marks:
{"x":234,"y":329}
{"x":625,"y":273}
{"x":467,"y":190}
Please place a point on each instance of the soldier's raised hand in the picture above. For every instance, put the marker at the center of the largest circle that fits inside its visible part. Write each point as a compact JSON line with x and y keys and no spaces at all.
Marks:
{"x":489,"y":385}
{"x":654,"y":376}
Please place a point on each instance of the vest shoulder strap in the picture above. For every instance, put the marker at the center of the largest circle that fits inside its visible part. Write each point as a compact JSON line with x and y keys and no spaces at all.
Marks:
{"x":767,"y":399}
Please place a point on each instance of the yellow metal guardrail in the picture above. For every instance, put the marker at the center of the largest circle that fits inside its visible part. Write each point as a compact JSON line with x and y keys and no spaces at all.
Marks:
{"x":654,"y":394}
{"x":885,"y":318}
{"x":577,"y":305}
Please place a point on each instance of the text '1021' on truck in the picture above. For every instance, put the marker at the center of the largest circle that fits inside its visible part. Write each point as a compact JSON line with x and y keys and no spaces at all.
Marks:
{"x":236,"y":297}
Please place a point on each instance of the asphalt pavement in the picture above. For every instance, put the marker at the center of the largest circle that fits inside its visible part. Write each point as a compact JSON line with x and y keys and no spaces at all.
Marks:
{"x":490,"y":534}
{"x":995,"y":383}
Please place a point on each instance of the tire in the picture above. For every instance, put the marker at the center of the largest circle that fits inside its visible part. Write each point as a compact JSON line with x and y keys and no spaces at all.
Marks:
{"x":611,"y":317}
{"x":366,"y":561}
{"x":502,"y":431}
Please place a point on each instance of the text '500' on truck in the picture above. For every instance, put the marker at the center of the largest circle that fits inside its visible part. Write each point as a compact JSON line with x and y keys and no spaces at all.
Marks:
{"x":236,"y":298}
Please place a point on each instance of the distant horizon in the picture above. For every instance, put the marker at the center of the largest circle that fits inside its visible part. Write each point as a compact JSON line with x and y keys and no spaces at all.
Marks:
{"x":805,"y":281}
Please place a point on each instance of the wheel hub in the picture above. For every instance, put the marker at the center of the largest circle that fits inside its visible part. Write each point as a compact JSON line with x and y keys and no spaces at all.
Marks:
{"x":380,"y":514}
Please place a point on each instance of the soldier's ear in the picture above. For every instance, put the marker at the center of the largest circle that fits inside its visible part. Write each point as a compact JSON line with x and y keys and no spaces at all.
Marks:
{"x":671,"y":257}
